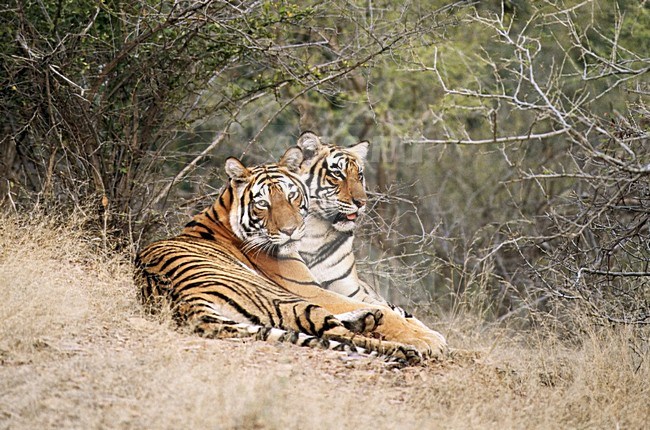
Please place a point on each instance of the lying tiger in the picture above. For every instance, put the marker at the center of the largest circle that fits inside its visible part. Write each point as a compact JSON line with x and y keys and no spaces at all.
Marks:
{"x":334,"y":177}
{"x":234,"y":272}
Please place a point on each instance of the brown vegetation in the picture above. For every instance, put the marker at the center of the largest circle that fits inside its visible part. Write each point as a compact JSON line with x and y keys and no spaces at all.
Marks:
{"x":76,"y":351}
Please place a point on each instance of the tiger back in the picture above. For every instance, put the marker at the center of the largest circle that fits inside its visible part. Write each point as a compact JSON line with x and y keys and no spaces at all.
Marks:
{"x":220,"y":275}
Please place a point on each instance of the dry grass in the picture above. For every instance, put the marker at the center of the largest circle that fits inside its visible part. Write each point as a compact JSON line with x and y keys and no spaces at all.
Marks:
{"x":76,"y":352}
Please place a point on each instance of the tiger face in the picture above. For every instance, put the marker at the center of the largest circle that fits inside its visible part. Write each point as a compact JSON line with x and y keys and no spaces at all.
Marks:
{"x":334,"y":175}
{"x":269,"y":204}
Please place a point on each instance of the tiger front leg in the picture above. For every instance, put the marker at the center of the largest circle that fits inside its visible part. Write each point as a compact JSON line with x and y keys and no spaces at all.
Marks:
{"x":393,"y":351}
{"x":392,"y":327}
{"x":363,"y":320}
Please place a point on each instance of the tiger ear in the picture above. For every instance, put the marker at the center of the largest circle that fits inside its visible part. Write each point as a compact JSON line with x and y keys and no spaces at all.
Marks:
{"x":310,"y":145}
{"x":360,"y":150}
{"x":292,"y":159}
{"x":236,"y":170}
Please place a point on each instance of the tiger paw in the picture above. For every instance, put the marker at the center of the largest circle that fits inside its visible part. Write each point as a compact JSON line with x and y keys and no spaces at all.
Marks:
{"x":393,"y":352}
{"x":429,"y":342}
{"x":443,"y":349}
{"x":362,"y":321}
{"x":397,"y":329}
{"x":406,"y":355}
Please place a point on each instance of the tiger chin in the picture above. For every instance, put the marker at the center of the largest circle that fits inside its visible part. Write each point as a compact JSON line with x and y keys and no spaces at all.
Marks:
{"x":335,"y":178}
{"x":233,"y":272}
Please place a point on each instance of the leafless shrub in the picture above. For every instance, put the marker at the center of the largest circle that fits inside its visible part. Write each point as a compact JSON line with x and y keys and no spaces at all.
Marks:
{"x":566,"y":107}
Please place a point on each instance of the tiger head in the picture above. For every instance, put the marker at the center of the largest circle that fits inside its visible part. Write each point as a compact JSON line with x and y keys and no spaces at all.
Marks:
{"x":269,"y":204}
{"x":334,"y":176}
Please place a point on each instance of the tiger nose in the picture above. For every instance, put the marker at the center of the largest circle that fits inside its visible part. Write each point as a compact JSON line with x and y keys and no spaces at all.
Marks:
{"x":288,"y":230}
{"x":359,"y":202}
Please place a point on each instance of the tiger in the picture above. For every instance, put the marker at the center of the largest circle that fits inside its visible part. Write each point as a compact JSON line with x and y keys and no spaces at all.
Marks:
{"x":336,"y":182}
{"x":234,"y":271}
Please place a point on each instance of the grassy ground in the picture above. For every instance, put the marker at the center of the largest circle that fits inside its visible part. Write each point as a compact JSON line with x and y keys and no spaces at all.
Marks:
{"x":77,"y":352}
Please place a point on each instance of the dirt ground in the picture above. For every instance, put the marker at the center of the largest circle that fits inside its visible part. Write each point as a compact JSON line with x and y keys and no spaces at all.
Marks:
{"x":77,"y":352}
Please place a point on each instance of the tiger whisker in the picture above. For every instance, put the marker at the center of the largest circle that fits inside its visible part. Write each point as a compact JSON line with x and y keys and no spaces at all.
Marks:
{"x":254,"y":244}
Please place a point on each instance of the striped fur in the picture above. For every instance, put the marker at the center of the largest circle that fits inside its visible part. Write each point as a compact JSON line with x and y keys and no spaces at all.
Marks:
{"x":334,"y":176}
{"x":233,"y":272}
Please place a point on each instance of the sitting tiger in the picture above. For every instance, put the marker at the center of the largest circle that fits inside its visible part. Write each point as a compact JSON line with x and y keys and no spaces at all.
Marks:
{"x":234,"y":272}
{"x":334,"y":176}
